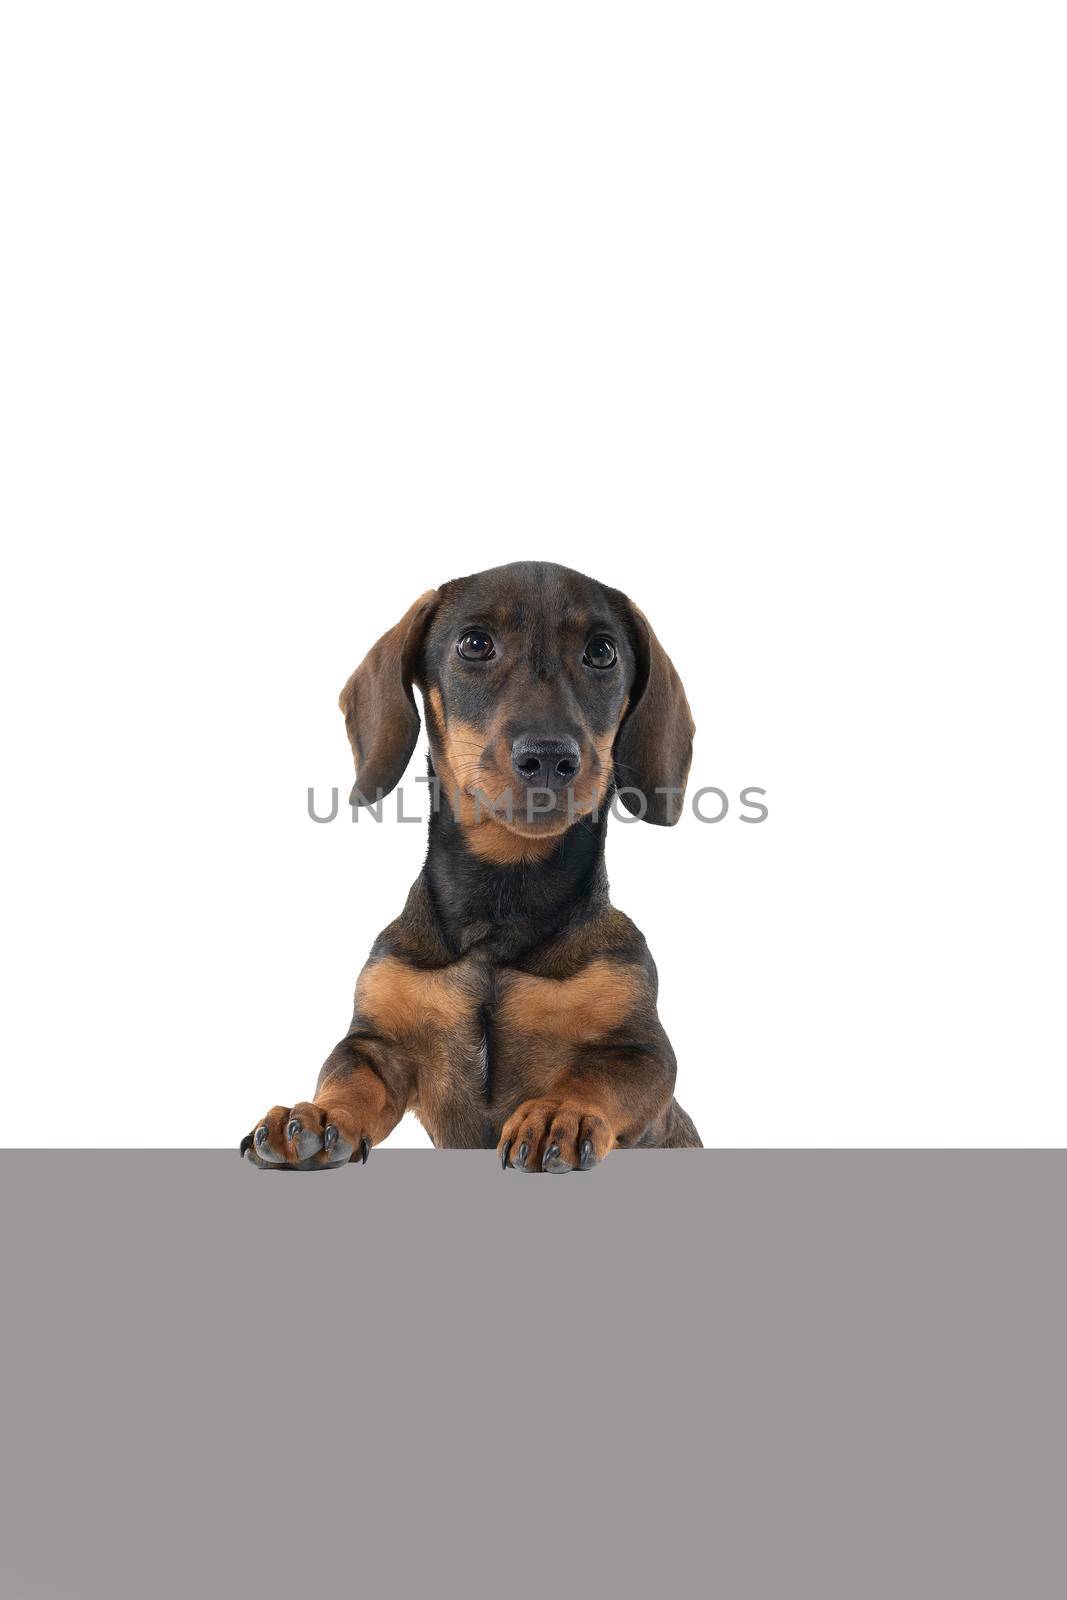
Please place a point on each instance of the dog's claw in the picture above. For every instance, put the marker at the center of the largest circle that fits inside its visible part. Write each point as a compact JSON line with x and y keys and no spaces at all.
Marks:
{"x":246,"y":1144}
{"x":329,"y":1138}
{"x":524,"y":1151}
{"x":586,"y":1155}
{"x":504,"y":1156}
{"x":293,"y":1129}
{"x":261,"y":1134}
{"x":549,"y":1156}
{"x":364,"y":1150}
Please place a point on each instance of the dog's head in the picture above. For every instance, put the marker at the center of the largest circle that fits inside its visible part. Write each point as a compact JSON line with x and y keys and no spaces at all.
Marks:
{"x":542,"y":687}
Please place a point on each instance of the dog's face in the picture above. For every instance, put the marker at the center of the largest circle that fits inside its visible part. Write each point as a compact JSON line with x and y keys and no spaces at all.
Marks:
{"x":526,"y":675}
{"x":541,"y":687}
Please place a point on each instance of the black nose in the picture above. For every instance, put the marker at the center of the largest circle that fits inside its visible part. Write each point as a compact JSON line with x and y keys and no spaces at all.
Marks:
{"x":546,"y":763}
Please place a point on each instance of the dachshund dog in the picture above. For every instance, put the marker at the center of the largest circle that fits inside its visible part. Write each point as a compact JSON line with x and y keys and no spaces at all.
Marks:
{"x":510,"y":1005}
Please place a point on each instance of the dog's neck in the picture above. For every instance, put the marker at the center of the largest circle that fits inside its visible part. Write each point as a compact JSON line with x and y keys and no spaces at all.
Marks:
{"x":509,"y":909}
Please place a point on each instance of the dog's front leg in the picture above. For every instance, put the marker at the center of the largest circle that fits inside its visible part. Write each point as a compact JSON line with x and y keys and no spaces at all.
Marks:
{"x":587,"y":1064}
{"x":363,"y":1090}
{"x":610,"y":1097}
{"x":394,"y":1058}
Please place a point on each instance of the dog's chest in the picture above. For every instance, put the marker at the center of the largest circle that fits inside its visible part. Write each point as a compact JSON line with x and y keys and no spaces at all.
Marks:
{"x":504,"y":1033}
{"x":484,"y":1035}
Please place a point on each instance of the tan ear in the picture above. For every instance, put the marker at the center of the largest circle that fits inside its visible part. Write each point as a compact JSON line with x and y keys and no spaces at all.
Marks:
{"x":379,"y":706}
{"x":655,"y":743}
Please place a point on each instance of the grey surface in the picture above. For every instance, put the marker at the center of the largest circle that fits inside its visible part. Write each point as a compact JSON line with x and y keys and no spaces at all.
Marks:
{"x":746,"y":1374}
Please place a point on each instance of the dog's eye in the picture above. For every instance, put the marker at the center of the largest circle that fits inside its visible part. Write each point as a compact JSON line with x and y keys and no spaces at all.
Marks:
{"x":600,"y":652}
{"x":476,"y":646}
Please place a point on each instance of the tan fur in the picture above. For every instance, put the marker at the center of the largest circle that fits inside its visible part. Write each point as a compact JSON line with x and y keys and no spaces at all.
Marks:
{"x":404,"y":1002}
{"x":597,"y":783}
{"x":359,"y":1104}
{"x":437,"y":705}
{"x":457,"y":760}
{"x":576,"y":1010}
{"x":459,"y":749}
{"x":492,"y":841}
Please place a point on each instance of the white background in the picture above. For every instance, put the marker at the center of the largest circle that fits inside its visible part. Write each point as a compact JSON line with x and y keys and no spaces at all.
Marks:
{"x":756,"y":312}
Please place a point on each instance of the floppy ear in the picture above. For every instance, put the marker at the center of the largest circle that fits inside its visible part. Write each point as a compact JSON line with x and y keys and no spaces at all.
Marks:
{"x":379,"y":707}
{"x":655,"y":743}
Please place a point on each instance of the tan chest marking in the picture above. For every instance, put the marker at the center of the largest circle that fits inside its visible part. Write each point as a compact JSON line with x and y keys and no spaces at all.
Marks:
{"x":404,"y":1002}
{"x":576,"y":1010}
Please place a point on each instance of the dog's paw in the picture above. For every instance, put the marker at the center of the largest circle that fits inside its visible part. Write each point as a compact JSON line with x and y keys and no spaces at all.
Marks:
{"x":306,"y":1138}
{"x":554,"y":1136}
